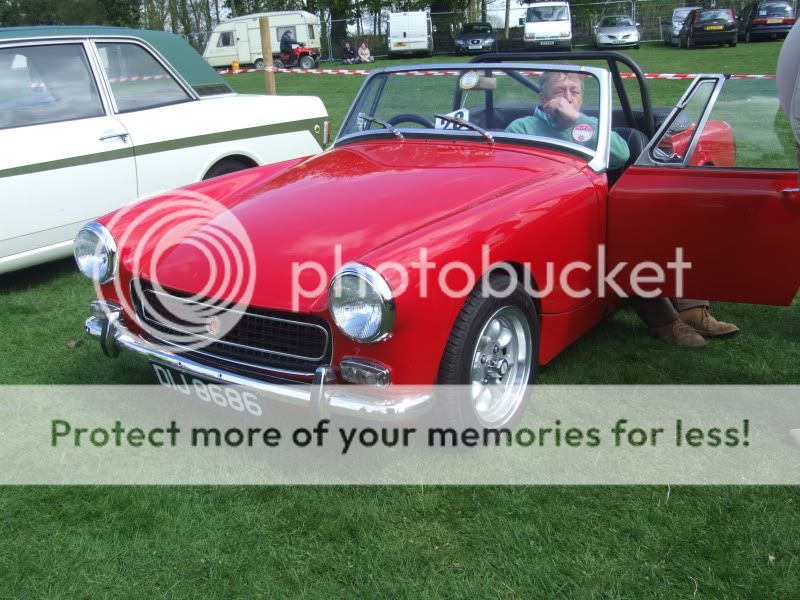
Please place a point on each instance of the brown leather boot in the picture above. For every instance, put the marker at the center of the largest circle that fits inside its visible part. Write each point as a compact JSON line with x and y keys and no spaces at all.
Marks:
{"x":679,"y":333}
{"x":703,"y":323}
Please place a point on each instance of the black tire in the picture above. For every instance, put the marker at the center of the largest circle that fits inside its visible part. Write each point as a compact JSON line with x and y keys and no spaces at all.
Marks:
{"x":689,"y":43}
{"x":732,"y":43}
{"x":259,"y":63}
{"x":747,"y":36}
{"x":471,"y":341}
{"x":278,"y":64}
{"x":225,"y":166}
{"x":307,"y":62}
{"x":636,"y":47}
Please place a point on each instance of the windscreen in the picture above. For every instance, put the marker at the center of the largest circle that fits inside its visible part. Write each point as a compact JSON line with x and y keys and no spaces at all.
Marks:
{"x":477,"y":28}
{"x":518,"y":104}
{"x":774,"y":9}
{"x":539,"y":14}
{"x":616,"y":22}
{"x":722,"y":15}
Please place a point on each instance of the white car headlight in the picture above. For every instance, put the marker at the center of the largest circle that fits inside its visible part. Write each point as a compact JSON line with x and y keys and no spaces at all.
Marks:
{"x":361,"y":303}
{"x":96,"y":253}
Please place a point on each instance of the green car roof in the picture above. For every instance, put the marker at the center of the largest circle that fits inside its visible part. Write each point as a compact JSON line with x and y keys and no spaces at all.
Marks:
{"x":183,"y":58}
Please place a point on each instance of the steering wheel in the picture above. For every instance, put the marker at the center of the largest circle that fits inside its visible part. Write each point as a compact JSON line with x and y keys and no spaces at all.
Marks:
{"x":411,"y":118}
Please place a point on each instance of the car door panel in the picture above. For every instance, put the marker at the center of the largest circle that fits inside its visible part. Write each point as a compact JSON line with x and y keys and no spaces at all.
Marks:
{"x":64,"y":161}
{"x":60,"y":174}
{"x":737,"y":228}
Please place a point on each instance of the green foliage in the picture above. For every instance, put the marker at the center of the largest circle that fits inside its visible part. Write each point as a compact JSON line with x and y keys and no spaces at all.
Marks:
{"x":76,"y":12}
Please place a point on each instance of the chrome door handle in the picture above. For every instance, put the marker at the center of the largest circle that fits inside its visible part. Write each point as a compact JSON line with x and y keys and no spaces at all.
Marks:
{"x":791,"y":195}
{"x":113,"y":135}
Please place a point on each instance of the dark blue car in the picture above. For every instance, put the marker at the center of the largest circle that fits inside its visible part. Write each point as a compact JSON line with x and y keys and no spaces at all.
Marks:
{"x":708,"y":26}
{"x":768,"y":19}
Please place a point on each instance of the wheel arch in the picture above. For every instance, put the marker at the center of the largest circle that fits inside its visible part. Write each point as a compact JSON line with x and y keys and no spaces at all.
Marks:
{"x":243,"y":156}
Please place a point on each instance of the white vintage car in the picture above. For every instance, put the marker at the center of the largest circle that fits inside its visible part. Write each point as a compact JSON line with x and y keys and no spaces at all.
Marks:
{"x":93,"y":118}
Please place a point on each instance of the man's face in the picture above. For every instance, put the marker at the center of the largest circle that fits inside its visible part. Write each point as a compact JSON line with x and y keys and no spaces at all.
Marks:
{"x":569,"y":87}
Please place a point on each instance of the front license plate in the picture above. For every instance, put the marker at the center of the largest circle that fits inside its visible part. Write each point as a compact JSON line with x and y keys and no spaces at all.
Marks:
{"x":547,"y":43}
{"x":225,"y":396}
{"x":474,"y":47}
{"x":714,"y":28}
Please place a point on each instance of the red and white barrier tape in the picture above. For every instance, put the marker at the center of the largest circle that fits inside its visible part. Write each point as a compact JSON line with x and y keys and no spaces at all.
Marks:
{"x":137,"y":78}
{"x":440,"y":73}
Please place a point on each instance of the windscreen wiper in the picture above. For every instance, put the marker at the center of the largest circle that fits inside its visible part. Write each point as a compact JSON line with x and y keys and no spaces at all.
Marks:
{"x":468,"y":125}
{"x":382,"y":123}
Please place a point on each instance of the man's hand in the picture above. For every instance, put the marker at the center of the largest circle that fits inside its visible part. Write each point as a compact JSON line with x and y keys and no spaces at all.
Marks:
{"x":562,"y":111}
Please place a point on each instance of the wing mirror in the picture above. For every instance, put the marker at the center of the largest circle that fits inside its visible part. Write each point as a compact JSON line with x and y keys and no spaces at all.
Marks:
{"x":788,"y":82}
{"x":521,"y":21}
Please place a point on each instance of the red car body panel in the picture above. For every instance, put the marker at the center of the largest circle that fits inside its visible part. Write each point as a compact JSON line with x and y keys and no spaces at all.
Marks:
{"x":382,"y":201}
{"x":737,"y":228}
{"x":716,"y":146}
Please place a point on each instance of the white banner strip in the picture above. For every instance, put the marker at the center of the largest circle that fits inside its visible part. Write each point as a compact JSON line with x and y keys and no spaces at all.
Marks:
{"x":205,"y":434}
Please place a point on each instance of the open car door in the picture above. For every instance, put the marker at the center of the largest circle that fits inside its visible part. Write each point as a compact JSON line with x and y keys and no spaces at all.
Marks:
{"x":693,"y":190}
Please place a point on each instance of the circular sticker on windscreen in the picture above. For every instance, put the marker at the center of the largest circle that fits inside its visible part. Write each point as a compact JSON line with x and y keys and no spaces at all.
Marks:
{"x":582,"y":132}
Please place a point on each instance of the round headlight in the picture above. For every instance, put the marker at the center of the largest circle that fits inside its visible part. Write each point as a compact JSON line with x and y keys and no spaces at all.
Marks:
{"x":361,"y":303}
{"x":96,"y":253}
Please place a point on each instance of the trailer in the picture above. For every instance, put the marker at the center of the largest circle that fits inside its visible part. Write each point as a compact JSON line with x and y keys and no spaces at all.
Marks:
{"x":239,"y":39}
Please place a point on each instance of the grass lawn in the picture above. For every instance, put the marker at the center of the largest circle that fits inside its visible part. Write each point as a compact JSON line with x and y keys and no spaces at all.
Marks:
{"x":575,"y":542}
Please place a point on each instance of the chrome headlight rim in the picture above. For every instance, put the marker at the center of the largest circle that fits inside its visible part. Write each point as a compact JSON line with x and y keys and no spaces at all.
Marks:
{"x":109,"y":245}
{"x":376,"y":281}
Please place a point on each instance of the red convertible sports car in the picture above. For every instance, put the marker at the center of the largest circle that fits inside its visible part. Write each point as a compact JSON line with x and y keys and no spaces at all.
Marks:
{"x":436,"y":243}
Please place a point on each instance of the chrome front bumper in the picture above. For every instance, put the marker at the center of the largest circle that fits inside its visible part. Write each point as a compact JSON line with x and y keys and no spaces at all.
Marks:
{"x":323,"y":395}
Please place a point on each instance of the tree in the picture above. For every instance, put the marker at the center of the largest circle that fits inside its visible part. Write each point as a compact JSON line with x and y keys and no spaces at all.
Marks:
{"x":126,"y":13}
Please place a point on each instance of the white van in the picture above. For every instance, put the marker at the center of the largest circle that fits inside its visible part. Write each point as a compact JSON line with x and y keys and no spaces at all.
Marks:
{"x":547,"y":25}
{"x":239,"y":39}
{"x":410,"y":32}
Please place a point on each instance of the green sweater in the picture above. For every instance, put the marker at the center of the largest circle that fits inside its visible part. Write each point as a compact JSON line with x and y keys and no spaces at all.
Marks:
{"x":584,"y":132}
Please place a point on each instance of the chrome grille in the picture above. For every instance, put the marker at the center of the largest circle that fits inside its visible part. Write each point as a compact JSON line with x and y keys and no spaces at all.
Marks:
{"x":261,"y":342}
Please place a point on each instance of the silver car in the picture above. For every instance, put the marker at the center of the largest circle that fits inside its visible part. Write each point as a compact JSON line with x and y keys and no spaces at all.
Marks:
{"x":616,"y":31}
{"x":671,"y":29}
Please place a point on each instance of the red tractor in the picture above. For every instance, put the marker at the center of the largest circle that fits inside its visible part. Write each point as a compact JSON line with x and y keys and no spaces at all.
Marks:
{"x":300,"y":56}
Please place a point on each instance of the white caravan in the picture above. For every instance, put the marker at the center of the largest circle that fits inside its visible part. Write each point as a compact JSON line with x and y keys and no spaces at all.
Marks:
{"x":410,"y":32}
{"x":239,"y":39}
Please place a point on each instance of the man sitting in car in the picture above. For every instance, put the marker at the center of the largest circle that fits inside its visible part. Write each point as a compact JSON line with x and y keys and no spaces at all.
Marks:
{"x":682,"y":322}
{"x":559,"y":116}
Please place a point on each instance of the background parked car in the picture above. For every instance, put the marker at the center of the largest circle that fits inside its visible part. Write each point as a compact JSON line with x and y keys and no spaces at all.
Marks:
{"x":770,"y":19}
{"x":547,"y":25}
{"x":671,"y":29}
{"x":709,"y":26}
{"x":93,"y":118}
{"x":476,"y":37}
{"x":616,"y":31}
